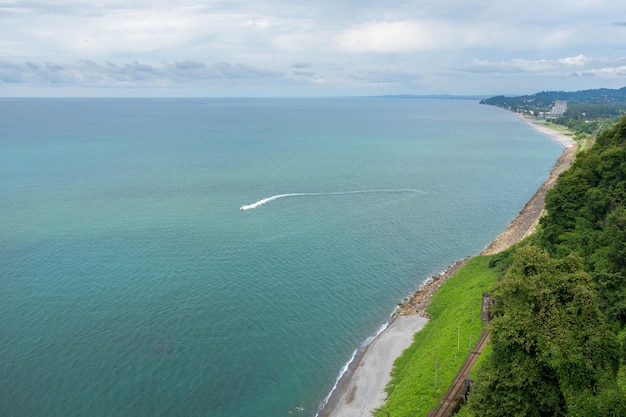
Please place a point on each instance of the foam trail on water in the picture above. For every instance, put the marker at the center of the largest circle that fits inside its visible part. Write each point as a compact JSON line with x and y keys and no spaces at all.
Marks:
{"x":268,"y":199}
{"x":276,"y":197}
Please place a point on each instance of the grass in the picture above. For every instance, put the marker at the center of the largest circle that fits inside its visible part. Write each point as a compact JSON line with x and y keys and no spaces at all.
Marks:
{"x":456,"y":305}
{"x":560,"y":128}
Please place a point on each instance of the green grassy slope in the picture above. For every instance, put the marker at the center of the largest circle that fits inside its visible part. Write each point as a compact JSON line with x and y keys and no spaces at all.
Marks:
{"x":456,"y":304}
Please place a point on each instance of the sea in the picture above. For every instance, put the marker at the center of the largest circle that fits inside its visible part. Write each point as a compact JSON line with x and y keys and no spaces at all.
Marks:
{"x":225,"y":257}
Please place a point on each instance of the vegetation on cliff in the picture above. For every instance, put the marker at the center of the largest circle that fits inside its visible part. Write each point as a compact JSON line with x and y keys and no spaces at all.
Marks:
{"x":563,"y":301}
{"x":558,"y":334}
{"x":554,"y":354}
{"x":586,"y":215}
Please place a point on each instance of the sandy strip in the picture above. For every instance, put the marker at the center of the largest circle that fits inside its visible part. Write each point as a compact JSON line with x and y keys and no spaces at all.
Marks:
{"x":364,"y":389}
{"x":561,"y":138}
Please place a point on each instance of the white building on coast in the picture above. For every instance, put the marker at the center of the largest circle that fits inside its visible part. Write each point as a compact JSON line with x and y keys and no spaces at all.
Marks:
{"x":559,"y":109}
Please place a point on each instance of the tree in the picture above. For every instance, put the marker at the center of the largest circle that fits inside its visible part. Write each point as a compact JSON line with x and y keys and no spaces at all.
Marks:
{"x":586,"y":215}
{"x":553,"y":352}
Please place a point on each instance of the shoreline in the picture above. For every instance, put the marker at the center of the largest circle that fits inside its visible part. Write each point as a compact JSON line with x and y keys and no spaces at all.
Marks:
{"x":527,"y":219}
{"x":360,"y":386}
{"x":561,"y":138}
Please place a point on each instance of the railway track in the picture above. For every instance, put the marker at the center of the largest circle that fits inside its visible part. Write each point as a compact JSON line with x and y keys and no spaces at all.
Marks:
{"x":457,"y":393}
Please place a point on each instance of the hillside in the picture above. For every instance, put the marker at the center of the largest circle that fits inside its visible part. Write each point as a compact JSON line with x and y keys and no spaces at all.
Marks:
{"x":544,"y":100}
{"x":562,"y":302}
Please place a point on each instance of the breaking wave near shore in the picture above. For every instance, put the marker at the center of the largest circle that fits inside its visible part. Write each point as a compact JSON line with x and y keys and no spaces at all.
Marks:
{"x":276,"y":197}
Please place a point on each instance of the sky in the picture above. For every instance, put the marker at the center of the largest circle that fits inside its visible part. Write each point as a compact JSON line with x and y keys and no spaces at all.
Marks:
{"x":309,"y":47}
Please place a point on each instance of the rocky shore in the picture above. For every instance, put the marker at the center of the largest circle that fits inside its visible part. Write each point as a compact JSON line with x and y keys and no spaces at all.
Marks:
{"x":416,"y":303}
{"x":364,"y":389}
{"x":521,"y":226}
{"x":525,"y":222}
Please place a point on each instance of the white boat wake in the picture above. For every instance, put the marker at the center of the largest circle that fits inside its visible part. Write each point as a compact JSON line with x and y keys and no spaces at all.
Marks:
{"x":276,"y":197}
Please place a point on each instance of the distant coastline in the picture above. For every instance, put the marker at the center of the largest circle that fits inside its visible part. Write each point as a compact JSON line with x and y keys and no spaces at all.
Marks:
{"x":362,"y":388}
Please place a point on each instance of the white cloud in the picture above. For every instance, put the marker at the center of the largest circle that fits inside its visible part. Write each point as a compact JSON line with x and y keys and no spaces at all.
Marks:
{"x":406,"y":36}
{"x":366,"y":44}
{"x":576,"y":61}
{"x":87,"y":72}
{"x":525,"y":65}
{"x":606,"y":73}
{"x":119,"y":29}
{"x":577,"y":66}
{"x":401,"y":36}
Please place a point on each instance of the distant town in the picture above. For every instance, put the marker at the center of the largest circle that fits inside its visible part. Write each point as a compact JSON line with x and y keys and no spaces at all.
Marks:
{"x":584,"y":112}
{"x":558,"y":110}
{"x":602,"y":102}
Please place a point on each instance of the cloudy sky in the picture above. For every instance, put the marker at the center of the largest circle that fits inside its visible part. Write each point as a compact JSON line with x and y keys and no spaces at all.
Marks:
{"x":309,"y":47}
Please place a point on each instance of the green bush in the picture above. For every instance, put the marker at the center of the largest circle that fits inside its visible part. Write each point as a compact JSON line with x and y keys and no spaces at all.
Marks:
{"x":553,"y":351}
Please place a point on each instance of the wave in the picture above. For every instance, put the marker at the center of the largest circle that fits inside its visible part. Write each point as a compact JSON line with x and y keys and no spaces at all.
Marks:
{"x":344,"y":373}
{"x":276,"y":197}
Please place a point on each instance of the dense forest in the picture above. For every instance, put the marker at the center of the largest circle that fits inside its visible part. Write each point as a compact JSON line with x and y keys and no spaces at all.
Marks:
{"x":543,"y":101}
{"x":560,"y":316}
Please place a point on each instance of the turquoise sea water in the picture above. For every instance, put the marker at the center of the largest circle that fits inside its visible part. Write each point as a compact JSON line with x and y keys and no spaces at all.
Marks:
{"x":131,"y":283}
